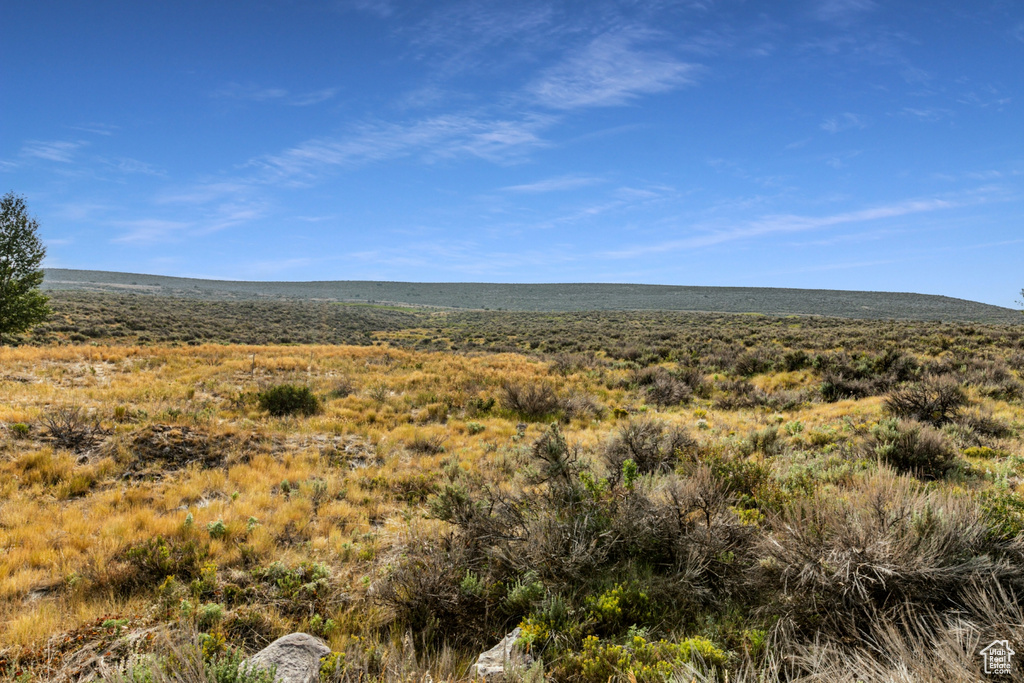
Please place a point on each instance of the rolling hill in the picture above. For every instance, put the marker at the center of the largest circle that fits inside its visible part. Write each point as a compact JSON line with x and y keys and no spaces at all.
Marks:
{"x":551,"y":297}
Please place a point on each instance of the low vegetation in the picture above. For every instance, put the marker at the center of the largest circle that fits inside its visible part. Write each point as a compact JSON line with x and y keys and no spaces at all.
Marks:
{"x":288,"y":399}
{"x":646,"y":496}
{"x":544,"y":297}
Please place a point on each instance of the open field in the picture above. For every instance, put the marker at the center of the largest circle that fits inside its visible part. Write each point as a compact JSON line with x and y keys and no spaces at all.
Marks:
{"x":91,"y":317}
{"x":645,"y":494}
{"x":549,"y":297}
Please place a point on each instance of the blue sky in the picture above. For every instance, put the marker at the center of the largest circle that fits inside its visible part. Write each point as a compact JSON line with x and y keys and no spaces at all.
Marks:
{"x":843,"y":144}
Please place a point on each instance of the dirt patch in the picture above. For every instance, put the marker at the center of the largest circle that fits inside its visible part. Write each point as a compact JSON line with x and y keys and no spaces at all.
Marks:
{"x":351,"y":450}
{"x":82,"y":654}
{"x":162,"y":448}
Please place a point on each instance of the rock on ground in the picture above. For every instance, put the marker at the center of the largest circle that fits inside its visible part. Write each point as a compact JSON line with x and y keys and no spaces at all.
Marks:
{"x":491,"y":665}
{"x":297,"y":657}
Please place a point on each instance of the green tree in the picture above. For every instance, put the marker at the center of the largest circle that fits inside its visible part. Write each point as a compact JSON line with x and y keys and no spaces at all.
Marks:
{"x":22,"y":305}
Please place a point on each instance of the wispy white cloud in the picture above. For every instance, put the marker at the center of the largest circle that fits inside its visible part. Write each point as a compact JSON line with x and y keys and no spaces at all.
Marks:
{"x":850,"y":238}
{"x":839,"y":161}
{"x":845,"y":121}
{"x":609,"y":71}
{"x":133,"y":166}
{"x":148,"y":230}
{"x":203,"y":221}
{"x":432,"y":139}
{"x":989,"y":245}
{"x":639,"y":194}
{"x":842,"y":11}
{"x":61,"y":151}
{"x":558,"y":184}
{"x":926,"y":113}
{"x":81,"y":211}
{"x":254,"y":93}
{"x":205,"y":192}
{"x":739,"y":170}
{"x":318,"y":219}
{"x":990,"y":174}
{"x":96,"y":128}
{"x":228,"y":216}
{"x":984,"y":95}
{"x":484,"y":34}
{"x":313,"y":97}
{"x":880,"y":48}
{"x":379,"y":8}
{"x":516,"y":213}
{"x":429,"y":95}
{"x":782,"y":224}
{"x":712,"y":42}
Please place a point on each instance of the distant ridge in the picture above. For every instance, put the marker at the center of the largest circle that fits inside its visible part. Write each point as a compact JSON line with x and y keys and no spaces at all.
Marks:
{"x":551,"y":297}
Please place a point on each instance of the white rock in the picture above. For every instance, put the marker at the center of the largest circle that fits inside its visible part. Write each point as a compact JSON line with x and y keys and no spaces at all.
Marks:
{"x":491,"y":665}
{"x":297,"y":657}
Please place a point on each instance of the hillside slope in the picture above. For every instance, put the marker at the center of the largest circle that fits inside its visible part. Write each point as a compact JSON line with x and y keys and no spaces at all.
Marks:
{"x":553,"y":297}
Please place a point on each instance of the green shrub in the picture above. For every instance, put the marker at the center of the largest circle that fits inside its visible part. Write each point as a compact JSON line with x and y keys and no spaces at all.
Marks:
{"x":233,"y":668}
{"x":741,"y":477}
{"x":935,"y":401}
{"x":206,"y":584}
{"x":208,"y":660}
{"x":479,"y":406}
{"x":115,"y":624}
{"x":321,"y":627}
{"x":156,"y":559}
{"x":663,"y":388}
{"x":652,"y":446}
{"x":217,"y":529}
{"x":836,"y":386}
{"x":752,"y":362}
{"x":378,"y":391}
{"x":332,"y":667}
{"x":471,"y":584}
{"x":822,"y":436}
{"x":529,"y":401}
{"x":1004,"y":512}
{"x":795,"y":360}
{"x":980,"y":452}
{"x":909,"y":447}
{"x":523,"y":593}
{"x":20,"y":430}
{"x":342,"y":387}
{"x":619,"y":607}
{"x":642,"y":660}
{"x":289,"y":399}
{"x":838,"y":561}
{"x":764,"y":440}
{"x":209,"y":615}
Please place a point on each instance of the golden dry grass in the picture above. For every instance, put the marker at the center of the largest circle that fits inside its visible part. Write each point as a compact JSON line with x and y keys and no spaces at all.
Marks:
{"x":339,"y":488}
{"x":65,"y":521}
